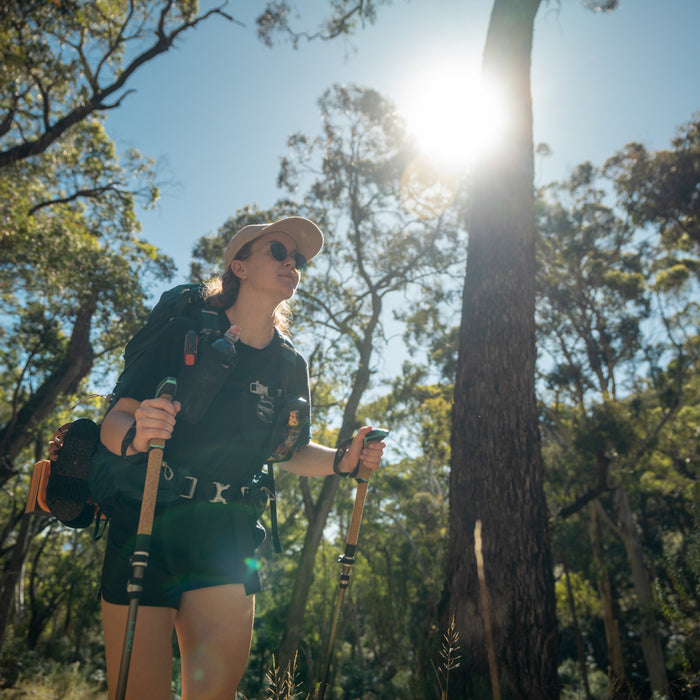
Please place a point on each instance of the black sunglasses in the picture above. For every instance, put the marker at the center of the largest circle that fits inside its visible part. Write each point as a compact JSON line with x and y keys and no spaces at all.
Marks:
{"x":280,"y":253}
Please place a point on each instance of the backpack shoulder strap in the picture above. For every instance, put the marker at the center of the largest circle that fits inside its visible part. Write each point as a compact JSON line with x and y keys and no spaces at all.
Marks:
{"x":209,"y":320}
{"x":183,"y":300}
{"x":292,"y":362}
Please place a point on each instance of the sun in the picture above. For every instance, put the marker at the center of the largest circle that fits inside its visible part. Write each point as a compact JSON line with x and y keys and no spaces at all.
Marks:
{"x":454,"y":116}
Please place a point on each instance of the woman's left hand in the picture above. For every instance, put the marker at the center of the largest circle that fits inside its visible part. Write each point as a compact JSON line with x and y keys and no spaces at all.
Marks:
{"x":370,"y":455}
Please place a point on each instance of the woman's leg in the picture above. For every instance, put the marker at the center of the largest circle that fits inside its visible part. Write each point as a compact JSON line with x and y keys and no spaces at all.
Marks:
{"x":214,"y":628}
{"x":150,"y":670}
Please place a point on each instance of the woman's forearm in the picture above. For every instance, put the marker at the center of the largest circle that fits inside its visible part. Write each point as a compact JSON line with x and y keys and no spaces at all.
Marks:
{"x":311,"y":460}
{"x":116,"y":423}
{"x":316,"y":460}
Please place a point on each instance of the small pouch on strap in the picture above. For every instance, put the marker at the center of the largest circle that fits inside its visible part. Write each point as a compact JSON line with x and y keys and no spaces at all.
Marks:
{"x":198,"y":384}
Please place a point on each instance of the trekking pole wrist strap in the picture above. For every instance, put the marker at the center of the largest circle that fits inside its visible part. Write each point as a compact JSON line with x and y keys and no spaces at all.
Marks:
{"x":339,"y":455}
{"x":128,"y":438}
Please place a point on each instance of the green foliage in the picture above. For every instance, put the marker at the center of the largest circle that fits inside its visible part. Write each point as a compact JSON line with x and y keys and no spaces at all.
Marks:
{"x":66,"y":60}
{"x":593,"y":295}
{"x":345,"y":18}
{"x":73,"y":278}
{"x":617,"y":318}
{"x":55,"y":641}
{"x":672,"y":278}
{"x":660,"y":188}
{"x":619,"y":406}
{"x":586,"y":600}
{"x":598,"y":682}
{"x":74,"y":273}
{"x":378,"y":252}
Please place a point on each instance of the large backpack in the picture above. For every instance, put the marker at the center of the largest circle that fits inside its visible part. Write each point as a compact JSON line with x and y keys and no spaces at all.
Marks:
{"x":185,"y":300}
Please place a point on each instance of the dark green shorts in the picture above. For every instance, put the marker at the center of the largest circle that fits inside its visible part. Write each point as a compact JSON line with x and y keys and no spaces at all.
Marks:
{"x":193,"y":545}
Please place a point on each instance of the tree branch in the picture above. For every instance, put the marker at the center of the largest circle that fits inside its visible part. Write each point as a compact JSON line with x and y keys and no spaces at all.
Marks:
{"x":91,"y":193}
{"x":97,"y":101}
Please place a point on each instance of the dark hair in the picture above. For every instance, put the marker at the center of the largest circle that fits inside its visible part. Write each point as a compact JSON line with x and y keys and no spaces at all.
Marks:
{"x":222,"y":292}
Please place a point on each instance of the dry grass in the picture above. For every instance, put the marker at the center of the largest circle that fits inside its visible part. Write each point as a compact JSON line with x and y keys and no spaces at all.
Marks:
{"x":61,"y":683}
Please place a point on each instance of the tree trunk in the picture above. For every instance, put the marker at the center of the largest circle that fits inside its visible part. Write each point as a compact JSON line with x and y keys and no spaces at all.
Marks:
{"x":76,"y":365}
{"x":612,"y":631}
{"x":27,"y":531}
{"x":304,"y":577}
{"x":41,"y":610}
{"x":497,"y":470}
{"x":580,"y":650}
{"x":648,"y":629}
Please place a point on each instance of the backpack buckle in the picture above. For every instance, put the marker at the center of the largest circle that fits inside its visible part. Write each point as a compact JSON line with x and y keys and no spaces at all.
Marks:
{"x":191,"y":343}
{"x":192,"y":489}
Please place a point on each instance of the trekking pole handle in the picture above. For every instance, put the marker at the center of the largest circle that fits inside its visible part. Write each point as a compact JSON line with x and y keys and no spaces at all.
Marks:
{"x":363,"y":473}
{"x":362,"y":477}
{"x":348,"y":559}
{"x":166,"y":389}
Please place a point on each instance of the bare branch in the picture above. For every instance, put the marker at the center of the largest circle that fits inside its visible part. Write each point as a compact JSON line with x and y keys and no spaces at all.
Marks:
{"x":97,"y":101}
{"x":91,"y":193}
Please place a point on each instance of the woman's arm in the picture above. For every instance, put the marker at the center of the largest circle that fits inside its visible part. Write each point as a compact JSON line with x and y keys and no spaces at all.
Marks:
{"x":317,"y":460}
{"x":153,"y":418}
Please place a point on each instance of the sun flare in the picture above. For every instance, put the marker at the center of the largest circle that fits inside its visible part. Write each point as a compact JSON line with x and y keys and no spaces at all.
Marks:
{"x":453,"y":115}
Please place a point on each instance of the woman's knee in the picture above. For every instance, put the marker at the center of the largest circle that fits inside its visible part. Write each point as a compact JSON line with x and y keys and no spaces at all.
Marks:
{"x":150,"y":665}
{"x":214,"y":628}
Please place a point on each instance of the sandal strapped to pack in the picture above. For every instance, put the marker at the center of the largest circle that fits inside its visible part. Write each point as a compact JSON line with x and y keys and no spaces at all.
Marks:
{"x":67,"y":493}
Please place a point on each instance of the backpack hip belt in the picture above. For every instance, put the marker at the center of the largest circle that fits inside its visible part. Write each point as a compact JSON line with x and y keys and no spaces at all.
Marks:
{"x":183,"y":486}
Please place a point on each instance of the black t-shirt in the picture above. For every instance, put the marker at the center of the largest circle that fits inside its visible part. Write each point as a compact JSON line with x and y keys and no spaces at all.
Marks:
{"x":233,"y":438}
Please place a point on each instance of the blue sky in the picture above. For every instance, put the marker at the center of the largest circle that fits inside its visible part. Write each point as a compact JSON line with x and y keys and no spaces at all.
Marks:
{"x":217,"y":111}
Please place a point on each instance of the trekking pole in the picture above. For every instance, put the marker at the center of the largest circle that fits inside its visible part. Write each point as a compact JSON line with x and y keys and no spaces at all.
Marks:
{"x":348,"y":559}
{"x":166,"y":390}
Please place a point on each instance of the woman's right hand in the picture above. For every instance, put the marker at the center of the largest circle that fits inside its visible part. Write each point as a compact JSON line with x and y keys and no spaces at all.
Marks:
{"x":155,"y":419}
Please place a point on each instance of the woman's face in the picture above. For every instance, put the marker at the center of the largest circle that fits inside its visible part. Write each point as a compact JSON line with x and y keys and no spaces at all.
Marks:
{"x":265,"y":272}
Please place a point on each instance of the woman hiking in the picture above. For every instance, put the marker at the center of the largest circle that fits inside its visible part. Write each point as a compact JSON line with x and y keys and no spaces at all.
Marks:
{"x":201,"y":577}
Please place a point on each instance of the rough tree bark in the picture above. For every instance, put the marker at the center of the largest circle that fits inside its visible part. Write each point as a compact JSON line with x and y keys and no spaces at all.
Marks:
{"x":497,"y":471}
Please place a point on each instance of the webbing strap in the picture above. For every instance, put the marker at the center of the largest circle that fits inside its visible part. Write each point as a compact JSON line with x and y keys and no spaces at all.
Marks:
{"x":277,"y":546}
{"x":210,"y":320}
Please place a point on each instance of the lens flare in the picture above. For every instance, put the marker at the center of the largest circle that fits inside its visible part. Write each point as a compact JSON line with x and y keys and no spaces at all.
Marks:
{"x":452,"y":113}
{"x":253,"y":564}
